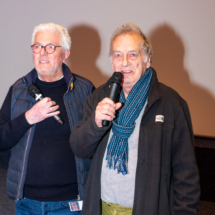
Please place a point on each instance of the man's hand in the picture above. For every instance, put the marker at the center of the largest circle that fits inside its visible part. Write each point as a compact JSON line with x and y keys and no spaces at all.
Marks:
{"x":105,"y":110}
{"x":42,"y":110}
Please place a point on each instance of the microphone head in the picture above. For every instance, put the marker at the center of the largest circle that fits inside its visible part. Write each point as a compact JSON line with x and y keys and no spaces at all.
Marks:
{"x":33,"y":91}
{"x":116,"y":78}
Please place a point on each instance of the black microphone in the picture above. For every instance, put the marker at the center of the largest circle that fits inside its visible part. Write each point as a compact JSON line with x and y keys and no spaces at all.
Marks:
{"x":37,"y":95}
{"x":115,"y":82}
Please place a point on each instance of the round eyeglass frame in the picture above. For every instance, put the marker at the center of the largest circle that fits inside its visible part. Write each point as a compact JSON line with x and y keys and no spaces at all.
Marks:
{"x":32,"y":47}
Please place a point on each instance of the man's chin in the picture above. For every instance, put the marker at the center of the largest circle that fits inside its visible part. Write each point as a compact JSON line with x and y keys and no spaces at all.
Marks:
{"x":43,"y":71}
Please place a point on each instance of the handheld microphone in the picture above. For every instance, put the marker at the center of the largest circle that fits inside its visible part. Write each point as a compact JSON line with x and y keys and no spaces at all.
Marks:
{"x":37,"y":95}
{"x":115,"y":81}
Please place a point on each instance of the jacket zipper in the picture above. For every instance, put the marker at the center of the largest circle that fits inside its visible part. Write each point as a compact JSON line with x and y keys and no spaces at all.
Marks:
{"x":21,"y":179}
{"x":78,"y":197}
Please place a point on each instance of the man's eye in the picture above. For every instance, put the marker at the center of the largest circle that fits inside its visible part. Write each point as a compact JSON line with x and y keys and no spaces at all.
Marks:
{"x":37,"y":47}
{"x":50,"y":47}
{"x":117,"y":55}
{"x":133,"y":55}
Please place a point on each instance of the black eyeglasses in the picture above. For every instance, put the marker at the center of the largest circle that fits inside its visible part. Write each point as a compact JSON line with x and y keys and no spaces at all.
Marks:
{"x":50,"y":49}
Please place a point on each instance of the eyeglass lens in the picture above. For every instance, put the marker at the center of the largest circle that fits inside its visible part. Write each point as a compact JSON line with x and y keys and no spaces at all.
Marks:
{"x":48,"y":48}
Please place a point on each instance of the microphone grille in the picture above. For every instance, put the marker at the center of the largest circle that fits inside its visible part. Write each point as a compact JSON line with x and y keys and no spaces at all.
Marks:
{"x":116,"y":78}
{"x":33,"y":90}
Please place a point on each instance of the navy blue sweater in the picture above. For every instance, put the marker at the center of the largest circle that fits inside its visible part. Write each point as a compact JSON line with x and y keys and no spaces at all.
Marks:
{"x":51,"y":156}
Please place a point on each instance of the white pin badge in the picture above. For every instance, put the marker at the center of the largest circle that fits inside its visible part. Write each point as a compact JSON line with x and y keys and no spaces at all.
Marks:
{"x":159,"y":118}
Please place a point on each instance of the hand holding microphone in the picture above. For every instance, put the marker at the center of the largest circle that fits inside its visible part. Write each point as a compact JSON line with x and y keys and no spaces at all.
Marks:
{"x":105,"y":110}
{"x":43,"y":109}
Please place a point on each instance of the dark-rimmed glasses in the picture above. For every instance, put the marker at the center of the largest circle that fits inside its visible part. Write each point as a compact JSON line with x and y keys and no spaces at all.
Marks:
{"x":50,"y":48}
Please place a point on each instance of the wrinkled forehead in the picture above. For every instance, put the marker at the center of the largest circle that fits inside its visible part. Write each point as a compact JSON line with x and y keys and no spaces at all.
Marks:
{"x":127,"y":42}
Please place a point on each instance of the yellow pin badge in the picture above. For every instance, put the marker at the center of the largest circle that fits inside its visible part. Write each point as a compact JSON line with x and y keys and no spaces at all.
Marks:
{"x":71,"y":86}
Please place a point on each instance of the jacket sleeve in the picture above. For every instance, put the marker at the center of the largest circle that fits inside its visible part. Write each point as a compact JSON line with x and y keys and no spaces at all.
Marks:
{"x":185,"y":172}
{"x":11,"y":131}
{"x":86,"y":136}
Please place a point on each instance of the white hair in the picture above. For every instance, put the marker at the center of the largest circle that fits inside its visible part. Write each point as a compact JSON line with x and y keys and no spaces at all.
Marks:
{"x":55,"y":28}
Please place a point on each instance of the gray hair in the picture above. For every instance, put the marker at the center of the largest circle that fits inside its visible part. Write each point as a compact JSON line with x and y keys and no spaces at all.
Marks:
{"x":131,"y":28}
{"x":55,"y":28}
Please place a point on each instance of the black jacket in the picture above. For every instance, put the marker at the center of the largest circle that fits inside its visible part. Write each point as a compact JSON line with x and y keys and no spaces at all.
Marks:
{"x":167,"y":180}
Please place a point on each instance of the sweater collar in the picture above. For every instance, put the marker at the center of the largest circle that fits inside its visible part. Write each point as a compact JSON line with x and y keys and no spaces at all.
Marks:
{"x":31,"y":77}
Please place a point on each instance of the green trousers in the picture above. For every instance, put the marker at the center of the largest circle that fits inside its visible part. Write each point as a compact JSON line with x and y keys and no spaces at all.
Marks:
{"x":114,"y":209}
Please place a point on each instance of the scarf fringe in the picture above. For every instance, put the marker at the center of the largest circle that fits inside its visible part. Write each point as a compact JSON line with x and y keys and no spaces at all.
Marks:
{"x":118,"y":163}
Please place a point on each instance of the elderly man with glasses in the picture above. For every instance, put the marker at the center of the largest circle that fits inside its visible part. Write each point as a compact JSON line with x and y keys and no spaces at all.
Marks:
{"x":143,"y":162}
{"x":44,"y":176}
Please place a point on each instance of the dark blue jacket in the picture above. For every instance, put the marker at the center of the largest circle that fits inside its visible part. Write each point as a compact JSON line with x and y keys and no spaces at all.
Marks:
{"x":20,"y":102}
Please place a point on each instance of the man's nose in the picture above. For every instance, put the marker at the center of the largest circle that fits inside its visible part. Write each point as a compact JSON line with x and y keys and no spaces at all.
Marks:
{"x":125,"y":60}
{"x":43,"y":52}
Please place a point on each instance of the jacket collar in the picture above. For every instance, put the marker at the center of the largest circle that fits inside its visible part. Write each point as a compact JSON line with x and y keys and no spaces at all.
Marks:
{"x":31,"y":77}
{"x":154,"y":92}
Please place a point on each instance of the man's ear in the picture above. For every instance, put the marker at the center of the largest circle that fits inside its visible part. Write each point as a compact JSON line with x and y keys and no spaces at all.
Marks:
{"x":148,"y":64}
{"x":66,"y":55}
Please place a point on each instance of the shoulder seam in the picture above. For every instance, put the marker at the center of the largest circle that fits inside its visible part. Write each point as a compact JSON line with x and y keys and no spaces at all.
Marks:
{"x":86,"y":82}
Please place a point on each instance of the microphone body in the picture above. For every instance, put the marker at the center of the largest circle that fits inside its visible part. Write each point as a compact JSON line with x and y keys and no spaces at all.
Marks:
{"x":115,"y":86}
{"x":37,"y":95}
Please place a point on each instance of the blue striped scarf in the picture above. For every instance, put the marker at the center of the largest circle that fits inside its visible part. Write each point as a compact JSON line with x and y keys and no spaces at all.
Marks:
{"x":123,"y":126}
